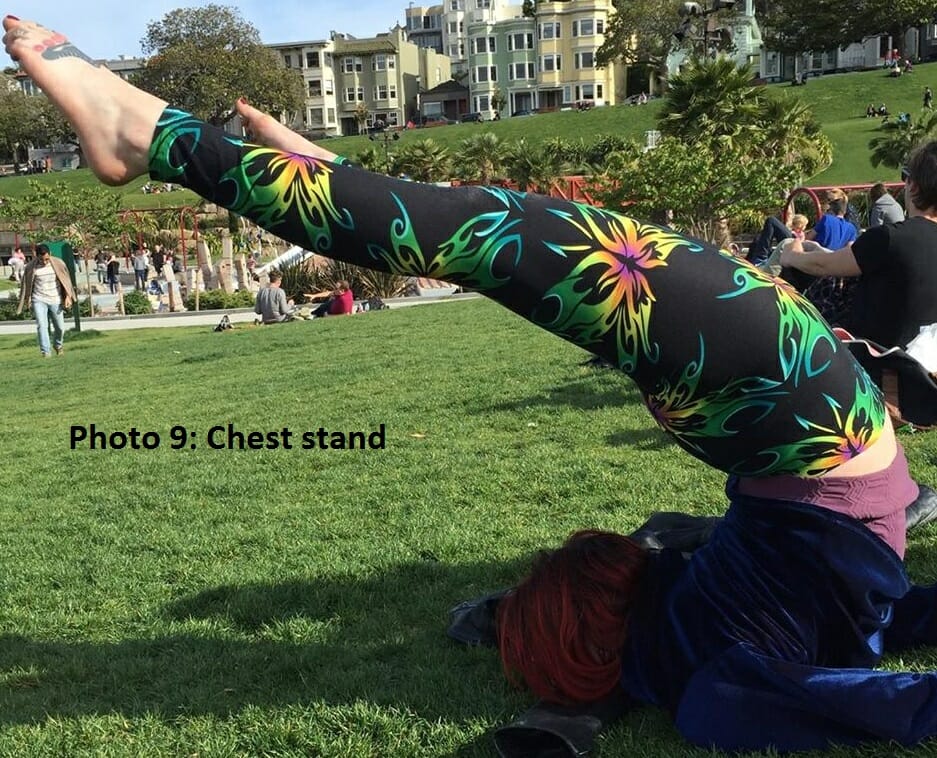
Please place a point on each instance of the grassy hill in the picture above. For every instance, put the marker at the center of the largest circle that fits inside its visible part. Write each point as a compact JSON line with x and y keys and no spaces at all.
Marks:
{"x":838,"y":100}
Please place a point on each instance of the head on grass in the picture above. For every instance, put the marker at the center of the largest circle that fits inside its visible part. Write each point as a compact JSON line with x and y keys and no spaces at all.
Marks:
{"x":561,"y":631}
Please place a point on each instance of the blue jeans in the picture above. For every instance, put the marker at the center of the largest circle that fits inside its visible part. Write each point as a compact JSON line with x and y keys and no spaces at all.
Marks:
{"x":772,"y":232}
{"x":49,"y":316}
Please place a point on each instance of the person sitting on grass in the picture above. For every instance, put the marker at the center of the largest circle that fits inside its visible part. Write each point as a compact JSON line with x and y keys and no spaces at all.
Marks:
{"x":271,"y":304}
{"x":337,"y":302}
{"x":767,"y":635}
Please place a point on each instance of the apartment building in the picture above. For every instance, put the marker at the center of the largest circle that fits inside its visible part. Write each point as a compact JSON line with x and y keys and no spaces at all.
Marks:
{"x":385,"y":75}
{"x":345,"y":77}
{"x":444,"y":27}
{"x":546,"y":62}
{"x":425,"y":26}
{"x":313,"y":60}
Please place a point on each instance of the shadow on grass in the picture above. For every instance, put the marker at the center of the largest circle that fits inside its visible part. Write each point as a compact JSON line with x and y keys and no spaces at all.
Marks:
{"x":583,"y":393}
{"x":332,"y":642}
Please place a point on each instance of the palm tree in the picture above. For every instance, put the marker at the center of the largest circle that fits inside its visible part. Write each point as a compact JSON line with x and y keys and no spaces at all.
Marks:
{"x":790,"y":129}
{"x":900,"y":138}
{"x":531,"y":166}
{"x":424,"y":160}
{"x":712,"y":101}
{"x":480,"y":157}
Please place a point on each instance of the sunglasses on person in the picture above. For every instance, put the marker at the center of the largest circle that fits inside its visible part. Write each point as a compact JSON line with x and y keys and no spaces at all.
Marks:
{"x":905,"y":173}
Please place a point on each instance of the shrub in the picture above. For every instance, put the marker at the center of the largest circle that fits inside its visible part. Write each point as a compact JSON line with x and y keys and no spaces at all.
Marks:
{"x":218,"y":300}
{"x":8,"y":311}
{"x":299,"y":278}
{"x":135,"y":303}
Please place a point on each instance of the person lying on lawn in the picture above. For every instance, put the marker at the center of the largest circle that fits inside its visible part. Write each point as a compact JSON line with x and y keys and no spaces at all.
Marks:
{"x":766,"y":636}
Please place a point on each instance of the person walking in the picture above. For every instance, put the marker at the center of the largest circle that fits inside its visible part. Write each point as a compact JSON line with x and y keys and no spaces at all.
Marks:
{"x":47,"y":289}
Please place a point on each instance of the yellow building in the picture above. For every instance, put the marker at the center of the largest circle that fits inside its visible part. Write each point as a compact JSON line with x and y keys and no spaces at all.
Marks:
{"x":568,"y":35}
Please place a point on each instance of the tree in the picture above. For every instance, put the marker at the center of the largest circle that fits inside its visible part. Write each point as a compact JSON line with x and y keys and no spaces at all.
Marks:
{"x":701,"y":184}
{"x":17,"y":123}
{"x":203,"y":59}
{"x":87,"y":218}
{"x":498,"y":100}
{"x":715,"y":102}
{"x":531,"y":166}
{"x":479,"y":157}
{"x":362,"y":114}
{"x":642,"y":32}
{"x":424,"y":160}
{"x":900,"y":138}
{"x":792,"y":26}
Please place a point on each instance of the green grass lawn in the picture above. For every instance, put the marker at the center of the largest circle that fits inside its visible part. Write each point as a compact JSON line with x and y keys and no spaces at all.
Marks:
{"x":293,"y":602}
{"x":838,"y":100}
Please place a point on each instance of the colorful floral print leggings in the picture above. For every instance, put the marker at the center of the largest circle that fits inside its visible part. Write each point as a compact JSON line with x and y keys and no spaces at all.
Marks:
{"x":738,"y":368}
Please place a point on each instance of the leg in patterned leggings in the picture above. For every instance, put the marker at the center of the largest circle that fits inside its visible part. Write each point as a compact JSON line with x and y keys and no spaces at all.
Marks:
{"x":738,"y":369}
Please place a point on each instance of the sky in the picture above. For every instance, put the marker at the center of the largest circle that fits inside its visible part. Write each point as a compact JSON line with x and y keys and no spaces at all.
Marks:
{"x":110,"y":28}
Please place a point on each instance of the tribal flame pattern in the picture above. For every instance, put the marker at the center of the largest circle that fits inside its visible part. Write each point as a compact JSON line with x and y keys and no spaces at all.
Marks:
{"x":591,"y":276}
{"x":608,"y":289}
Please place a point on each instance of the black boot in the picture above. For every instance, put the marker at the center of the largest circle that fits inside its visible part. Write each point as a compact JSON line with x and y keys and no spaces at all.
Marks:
{"x":923,"y":510}
{"x":554,"y":731}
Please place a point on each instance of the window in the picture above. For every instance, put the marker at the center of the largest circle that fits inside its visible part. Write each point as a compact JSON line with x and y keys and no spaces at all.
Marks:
{"x":391,"y":118}
{"x":484,"y":45}
{"x":315,"y":117}
{"x":453,"y":51}
{"x":567,"y":91}
{"x":482,"y":103}
{"x":485,"y":74}
{"x":589,"y":92}
{"x":329,"y":87}
{"x":771,"y":64}
{"x":384,"y":62}
{"x":482,"y":4}
{"x":816,"y":61}
{"x":454,"y":5}
{"x":585,"y":60}
{"x":385,"y":92}
{"x":521,"y":41}
{"x":452,"y":27}
{"x":351,"y":65}
{"x":588,"y":27}
{"x":550,"y":31}
{"x":522,"y":70}
{"x":312,"y":60}
{"x":288,"y":60}
{"x":354,"y":93}
{"x":550,"y":62}
{"x":331,"y":112}
{"x":315,"y":88}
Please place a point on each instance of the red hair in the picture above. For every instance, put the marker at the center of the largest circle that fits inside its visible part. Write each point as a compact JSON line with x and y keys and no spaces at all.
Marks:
{"x":562,"y":629}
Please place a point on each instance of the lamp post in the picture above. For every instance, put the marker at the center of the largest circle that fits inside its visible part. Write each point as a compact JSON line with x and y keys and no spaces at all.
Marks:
{"x":386,"y":139}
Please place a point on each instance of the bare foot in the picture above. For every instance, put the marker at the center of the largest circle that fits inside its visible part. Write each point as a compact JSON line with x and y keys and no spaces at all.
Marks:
{"x":267,"y":131}
{"x":114,"y":120}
